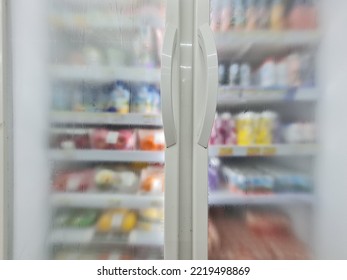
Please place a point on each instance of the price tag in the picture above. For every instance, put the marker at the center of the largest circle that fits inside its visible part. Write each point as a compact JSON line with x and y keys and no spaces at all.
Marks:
{"x":117,"y":221}
{"x":73,"y":183}
{"x":112,"y":137}
{"x":269,"y":151}
{"x":115,"y":202}
{"x":253,"y":151}
{"x":227,"y":151}
{"x":159,"y":137}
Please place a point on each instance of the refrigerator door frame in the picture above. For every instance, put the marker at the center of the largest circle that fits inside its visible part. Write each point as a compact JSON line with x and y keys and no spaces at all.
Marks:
{"x":2,"y":183}
{"x":204,"y":108}
{"x":6,"y":143}
{"x":186,"y":166}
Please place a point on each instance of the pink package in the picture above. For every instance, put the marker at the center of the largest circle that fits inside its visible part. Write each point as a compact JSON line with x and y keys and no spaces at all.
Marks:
{"x":224,"y":130}
{"x":77,"y":181}
{"x":112,"y":140}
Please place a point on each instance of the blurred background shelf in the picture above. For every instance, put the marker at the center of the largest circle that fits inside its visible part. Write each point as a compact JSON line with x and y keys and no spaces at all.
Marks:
{"x":115,"y":5}
{"x":214,"y":151}
{"x":260,"y":150}
{"x":107,"y":156}
{"x":67,"y":236}
{"x":87,"y":118}
{"x":104,"y":74}
{"x":226,"y":198}
{"x":233,"y":96}
{"x":257,"y":44}
{"x":106,"y":200}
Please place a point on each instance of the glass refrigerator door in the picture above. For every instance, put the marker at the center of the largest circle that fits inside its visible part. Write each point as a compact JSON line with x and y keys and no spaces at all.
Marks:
{"x":88,"y":139}
{"x":263,"y":144}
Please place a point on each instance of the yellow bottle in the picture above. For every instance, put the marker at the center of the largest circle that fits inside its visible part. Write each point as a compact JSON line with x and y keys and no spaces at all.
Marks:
{"x":277,"y":15}
{"x":245,"y":125}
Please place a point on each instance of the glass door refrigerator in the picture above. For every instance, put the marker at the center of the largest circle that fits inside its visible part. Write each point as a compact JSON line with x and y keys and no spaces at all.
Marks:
{"x":89,"y":182}
{"x":275,"y":181}
{"x":178,"y":129}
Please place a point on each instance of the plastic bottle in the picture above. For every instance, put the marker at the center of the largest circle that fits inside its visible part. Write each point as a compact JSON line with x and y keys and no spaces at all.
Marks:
{"x":282,"y":73}
{"x":307,"y":69}
{"x":226,"y":15}
{"x":268,"y":73}
{"x":297,"y":16}
{"x":263,"y":14}
{"x":141,"y":102}
{"x":294,"y":72}
{"x":119,"y":99}
{"x":239,"y":15}
{"x":234,"y":74}
{"x":221,"y":73}
{"x":215,"y":15}
{"x":251,"y":15}
{"x":245,"y":125}
{"x":277,"y":15}
{"x":245,"y":73}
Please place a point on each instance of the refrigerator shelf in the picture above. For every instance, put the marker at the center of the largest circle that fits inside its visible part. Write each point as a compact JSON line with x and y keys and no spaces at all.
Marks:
{"x":233,"y":96}
{"x":107,"y":156}
{"x":253,"y":46}
{"x":158,"y":157}
{"x":105,"y":3}
{"x":267,"y":37}
{"x":88,"y":118}
{"x":84,"y":22}
{"x":262,"y":150}
{"x":104,"y":74}
{"x":68,"y":236}
{"x":226,"y":198}
{"x":106,"y":200}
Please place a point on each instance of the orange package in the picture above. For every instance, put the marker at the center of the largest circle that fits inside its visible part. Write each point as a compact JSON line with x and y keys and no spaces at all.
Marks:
{"x":151,"y":140}
{"x":152,"y":180}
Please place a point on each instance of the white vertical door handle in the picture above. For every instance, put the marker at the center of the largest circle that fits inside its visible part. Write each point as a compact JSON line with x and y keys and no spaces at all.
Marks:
{"x":166,"y":85}
{"x":208,"y":47}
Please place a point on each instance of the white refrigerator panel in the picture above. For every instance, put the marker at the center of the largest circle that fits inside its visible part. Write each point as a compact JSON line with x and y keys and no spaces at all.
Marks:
{"x":331,"y":177}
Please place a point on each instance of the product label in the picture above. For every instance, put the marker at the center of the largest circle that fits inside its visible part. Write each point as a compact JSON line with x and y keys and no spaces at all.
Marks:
{"x":157,"y":185}
{"x":225,"y":152}
{"x":159,"y":138}
{"x":68,"y":145}
{"x":73,"y":183}
{"x":269,"y":151}
{"x":112,"y":137}
{"x":253,"y":151}
{"x":117,"y":221}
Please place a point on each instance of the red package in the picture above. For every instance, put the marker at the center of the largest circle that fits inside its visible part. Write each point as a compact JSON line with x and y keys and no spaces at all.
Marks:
{"x":104,"y":139}
{"x":74,"y":181}
{"x":77,"y":139}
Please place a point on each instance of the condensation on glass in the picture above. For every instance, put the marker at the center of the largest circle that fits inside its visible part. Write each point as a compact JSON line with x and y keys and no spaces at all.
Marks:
{"x":105,"y":57}
{"x":100,"y":155}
